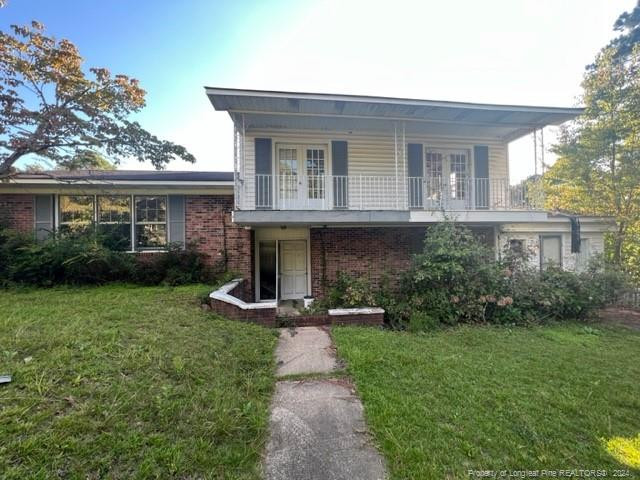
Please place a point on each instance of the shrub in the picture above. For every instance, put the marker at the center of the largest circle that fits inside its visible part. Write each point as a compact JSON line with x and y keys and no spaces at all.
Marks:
{"x":348,"y":292}
{"x":456,"y":279}
{"x":83,"y":258}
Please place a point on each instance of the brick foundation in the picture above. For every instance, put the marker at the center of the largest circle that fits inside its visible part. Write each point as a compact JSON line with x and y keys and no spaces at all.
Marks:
{"x":17,"y":212}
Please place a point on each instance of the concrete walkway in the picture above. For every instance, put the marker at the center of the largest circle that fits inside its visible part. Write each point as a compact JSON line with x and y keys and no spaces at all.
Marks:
{"x":304,"y":350}
{"x":317,"y":427}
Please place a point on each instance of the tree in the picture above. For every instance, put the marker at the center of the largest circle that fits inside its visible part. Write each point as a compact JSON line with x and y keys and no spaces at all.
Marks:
{"x":598,"y":170}
{"x":50,"y":108}
{"x":629,"y":24}
{"x":86,"y":160}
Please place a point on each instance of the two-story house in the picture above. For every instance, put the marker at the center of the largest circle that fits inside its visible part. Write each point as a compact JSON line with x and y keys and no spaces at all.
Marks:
{"x":322,"y":184}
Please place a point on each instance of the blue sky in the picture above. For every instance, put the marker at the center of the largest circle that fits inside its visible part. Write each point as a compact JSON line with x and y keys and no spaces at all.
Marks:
{"x":498,"y":51}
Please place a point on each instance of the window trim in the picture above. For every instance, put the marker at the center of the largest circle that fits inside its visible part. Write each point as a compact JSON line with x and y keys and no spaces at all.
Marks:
{"x":60,"y":223}
{"x":132,"y":197}
{"x":131,"y":223}
{"x":165,"y":223}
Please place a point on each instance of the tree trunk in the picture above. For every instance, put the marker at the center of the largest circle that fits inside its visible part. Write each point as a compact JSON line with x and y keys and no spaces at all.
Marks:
{"x":618,"y":240}
{"x":7,"y":163}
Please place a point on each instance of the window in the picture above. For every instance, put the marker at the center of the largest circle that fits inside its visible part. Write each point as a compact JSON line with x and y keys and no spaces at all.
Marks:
{"x":114,"y":221}
{"x":550,"y":250}
{"x":516,"y":246}
{"x":76,"y":212}
{"x":151,"y":222}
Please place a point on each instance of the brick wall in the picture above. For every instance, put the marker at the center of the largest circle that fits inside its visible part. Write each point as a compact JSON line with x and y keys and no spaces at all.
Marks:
{"x":209,"y":229}
{"x":17,"y":211}
{"x":374,"y":253}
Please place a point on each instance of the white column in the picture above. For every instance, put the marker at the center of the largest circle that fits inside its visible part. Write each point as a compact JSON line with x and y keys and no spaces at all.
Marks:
{"x":395,"y":152}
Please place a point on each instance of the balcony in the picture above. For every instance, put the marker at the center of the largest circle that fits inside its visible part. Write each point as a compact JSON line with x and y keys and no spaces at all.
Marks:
{"x":366,"y":192}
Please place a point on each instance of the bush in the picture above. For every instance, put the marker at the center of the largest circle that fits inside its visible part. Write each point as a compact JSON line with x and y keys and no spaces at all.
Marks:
{"x":83,"y":258}
{"x":456,"y":279}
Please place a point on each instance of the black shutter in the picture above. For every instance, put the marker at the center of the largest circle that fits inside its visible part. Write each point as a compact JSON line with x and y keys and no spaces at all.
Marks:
{"x":340,"y":172}
{"x":264,"y":177}
{"x":176,"y":219}
{"x":43,"y":216}
{"x":415,"y":172}
{"x":481,"y":174}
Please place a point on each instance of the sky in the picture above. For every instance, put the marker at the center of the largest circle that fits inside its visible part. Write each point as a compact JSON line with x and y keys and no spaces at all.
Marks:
{"x":524,"y":52}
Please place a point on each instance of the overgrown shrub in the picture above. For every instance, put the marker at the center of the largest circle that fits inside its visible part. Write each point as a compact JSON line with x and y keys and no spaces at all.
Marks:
{"x":456,"y":279}
{"x":83,"y":258}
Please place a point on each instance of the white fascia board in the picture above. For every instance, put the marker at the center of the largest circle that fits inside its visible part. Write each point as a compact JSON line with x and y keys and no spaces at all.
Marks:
{"x":140,"y":183}
{"x":387,"y":100}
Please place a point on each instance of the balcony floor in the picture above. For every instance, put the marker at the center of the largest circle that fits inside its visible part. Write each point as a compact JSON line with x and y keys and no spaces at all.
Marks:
{"x":380,"y":217}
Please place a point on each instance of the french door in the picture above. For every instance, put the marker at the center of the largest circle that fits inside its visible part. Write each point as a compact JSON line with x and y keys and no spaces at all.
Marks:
{"x":301,"y":174}
{"x":447,"y":179}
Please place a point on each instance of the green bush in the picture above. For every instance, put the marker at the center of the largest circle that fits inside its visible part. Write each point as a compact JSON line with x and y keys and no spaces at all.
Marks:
{"x":456,"y":279}
{"x":84,"y":258}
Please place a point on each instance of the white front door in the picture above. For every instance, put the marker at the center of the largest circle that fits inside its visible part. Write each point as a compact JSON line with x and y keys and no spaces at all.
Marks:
{"x":302,"y":171}
{"x":293,"y":271}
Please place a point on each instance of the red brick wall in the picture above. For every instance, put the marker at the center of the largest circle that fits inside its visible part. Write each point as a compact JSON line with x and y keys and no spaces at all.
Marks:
{"x":362,"y":252}
{"x":373,"y":253}
{"x":17,"y":211}
{"x":209,"y":229}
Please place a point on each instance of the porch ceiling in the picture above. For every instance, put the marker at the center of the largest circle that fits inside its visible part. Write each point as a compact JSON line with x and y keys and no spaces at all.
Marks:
{"x":290,"y":110}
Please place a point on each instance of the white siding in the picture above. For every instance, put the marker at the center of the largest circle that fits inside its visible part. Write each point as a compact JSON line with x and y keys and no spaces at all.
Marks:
{"x":373,"y":155}
{"x":530,"y":233}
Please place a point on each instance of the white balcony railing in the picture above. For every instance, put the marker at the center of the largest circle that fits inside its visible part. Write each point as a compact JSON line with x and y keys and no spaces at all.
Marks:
{"x":369,"y":192}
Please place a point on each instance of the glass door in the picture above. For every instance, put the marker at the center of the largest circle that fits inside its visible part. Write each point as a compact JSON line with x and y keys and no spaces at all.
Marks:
{"x":302,"y":171}
{"x":288,"y":177}
{"x":315,"y":166}
{"x":447,"y":182}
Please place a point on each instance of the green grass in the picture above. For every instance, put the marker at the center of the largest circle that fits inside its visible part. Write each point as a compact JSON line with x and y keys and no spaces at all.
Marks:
{"x":130,"y":382}
{"x":492,"y":398}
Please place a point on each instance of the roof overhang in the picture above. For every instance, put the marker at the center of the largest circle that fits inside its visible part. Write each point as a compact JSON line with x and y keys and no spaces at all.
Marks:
{"x":261,"y":109}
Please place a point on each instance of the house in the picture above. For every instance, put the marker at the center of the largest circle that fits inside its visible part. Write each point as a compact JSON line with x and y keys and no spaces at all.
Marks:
{"x":322,"y":184}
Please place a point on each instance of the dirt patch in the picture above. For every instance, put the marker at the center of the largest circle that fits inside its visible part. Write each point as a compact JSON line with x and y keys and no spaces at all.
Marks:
{"x":619,"y":316}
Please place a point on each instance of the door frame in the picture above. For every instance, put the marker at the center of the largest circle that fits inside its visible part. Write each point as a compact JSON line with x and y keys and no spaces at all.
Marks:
{"x":280,"y":256}
{"x":279,"y":234}
{"x":301,"y":145}
{"x":446,"y":151}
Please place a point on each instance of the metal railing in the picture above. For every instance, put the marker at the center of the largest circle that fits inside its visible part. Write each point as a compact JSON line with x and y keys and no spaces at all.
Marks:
{"x":374,"y":192}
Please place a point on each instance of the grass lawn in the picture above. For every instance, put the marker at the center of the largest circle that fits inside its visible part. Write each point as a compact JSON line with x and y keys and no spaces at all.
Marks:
{"x":555,"y":397}
{"x":130,"y":382}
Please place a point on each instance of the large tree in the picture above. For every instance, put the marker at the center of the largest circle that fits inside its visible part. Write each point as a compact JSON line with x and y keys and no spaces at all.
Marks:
{"x":598,"y":169}
{"x":629,"y":24}
{"x":51,"y":107}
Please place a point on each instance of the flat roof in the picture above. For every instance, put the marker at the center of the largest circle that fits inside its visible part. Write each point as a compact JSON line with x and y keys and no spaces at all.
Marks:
{"x":278,"y":109}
